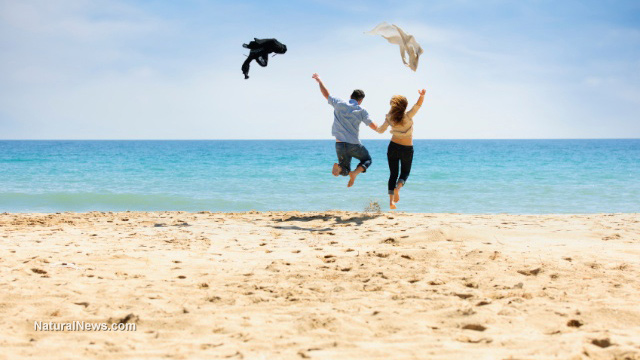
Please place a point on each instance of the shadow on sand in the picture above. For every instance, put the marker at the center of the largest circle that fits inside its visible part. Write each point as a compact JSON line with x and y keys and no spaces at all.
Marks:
{"x":293,"y":227}
{"x":337,"y":219}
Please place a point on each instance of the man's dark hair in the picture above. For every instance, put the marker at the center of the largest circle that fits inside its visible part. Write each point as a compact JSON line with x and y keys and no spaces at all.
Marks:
{"x":357,"y":95}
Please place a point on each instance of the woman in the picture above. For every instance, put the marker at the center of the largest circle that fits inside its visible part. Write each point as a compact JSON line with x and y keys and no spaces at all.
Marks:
{"x":400,"y":151}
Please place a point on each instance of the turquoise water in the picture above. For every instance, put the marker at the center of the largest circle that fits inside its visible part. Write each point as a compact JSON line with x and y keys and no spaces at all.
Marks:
{"x":463,"y":176}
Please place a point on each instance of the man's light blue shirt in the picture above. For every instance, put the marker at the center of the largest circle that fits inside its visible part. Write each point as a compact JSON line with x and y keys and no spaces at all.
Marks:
{"x":346,"y":119}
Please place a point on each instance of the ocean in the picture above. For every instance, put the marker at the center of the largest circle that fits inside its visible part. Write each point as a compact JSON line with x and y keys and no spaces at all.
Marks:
{"x":448,"y":176}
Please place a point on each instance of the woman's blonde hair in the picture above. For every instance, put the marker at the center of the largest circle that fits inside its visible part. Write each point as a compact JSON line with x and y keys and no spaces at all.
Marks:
{"x":398,"y":107}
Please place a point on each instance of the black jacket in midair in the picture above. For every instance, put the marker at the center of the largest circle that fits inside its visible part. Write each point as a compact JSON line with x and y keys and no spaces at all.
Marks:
{"x":260,"y":50}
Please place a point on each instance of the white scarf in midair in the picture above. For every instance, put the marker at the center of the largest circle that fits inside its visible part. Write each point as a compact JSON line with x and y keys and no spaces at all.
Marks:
{"x":408,"y":44}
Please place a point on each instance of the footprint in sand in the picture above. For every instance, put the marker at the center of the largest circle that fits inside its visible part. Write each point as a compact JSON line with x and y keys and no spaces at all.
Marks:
{"x":603,"y":343}
{"x":467,"y":339}
{"x":463,"y":296}
{"x":475,"y":327}
{"x":574,"y":323}
{"x":533,"y":272}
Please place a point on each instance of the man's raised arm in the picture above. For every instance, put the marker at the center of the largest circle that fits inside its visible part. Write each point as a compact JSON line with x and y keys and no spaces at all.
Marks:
{"x":323,"y":89}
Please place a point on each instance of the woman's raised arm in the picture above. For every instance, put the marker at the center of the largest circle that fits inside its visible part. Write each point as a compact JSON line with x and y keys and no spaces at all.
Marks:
{"x":411,"y":113}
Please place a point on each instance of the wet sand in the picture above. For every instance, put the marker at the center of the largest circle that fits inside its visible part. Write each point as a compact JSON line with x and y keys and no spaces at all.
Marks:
{"x":329,"y":285}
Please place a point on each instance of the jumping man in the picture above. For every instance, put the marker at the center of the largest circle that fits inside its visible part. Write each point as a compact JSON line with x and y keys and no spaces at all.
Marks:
{"x":346,"y":127}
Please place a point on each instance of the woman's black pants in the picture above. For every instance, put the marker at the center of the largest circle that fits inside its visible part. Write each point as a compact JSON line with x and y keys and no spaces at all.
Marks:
{"x":399,"y":158}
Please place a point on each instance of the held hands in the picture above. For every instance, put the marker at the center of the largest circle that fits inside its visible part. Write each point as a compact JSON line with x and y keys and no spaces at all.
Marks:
{"x":421,"y":92}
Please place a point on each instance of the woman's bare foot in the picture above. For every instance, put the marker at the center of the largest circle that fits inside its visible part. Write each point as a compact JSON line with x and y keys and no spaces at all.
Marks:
{"x":396,"y":192}
{"x":336,"y":169}
{"x":392,"y":205}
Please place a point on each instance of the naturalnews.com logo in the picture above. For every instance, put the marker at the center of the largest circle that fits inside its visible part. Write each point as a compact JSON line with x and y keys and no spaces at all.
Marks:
{"x":83,"y":326}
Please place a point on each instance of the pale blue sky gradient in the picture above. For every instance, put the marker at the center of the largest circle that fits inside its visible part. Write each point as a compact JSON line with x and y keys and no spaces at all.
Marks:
{"x":80,"y":69}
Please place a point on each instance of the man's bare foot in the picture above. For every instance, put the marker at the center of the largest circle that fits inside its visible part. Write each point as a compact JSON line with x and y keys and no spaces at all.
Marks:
{"x":336,"y":169}
{"x":352,"y":178}
{"x":353,"y":174}
{"x":392,"y":205}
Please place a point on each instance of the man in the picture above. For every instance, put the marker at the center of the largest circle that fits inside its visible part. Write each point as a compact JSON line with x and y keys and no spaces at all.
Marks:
{"x":346,"y":127}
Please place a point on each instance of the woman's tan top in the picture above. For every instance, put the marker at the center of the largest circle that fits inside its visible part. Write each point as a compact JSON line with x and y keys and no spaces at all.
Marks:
{"x":404,"y":130}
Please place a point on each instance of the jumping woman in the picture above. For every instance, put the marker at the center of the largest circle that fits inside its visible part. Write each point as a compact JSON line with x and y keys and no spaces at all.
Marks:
{"x":400,"y":150}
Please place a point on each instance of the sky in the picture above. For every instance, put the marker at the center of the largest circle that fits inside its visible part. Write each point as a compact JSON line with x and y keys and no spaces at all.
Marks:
{"x":92,"y":69}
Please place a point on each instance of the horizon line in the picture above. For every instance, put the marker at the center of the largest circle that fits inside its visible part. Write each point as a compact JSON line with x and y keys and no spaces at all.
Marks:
{"x":431,"y":139}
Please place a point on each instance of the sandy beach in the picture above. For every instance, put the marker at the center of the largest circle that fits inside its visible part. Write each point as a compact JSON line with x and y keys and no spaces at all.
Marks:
{"x":329,"y":285}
